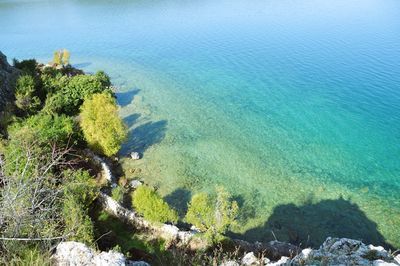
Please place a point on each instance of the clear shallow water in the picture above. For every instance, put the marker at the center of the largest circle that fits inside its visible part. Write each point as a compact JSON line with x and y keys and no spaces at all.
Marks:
{"x":293,"y":106}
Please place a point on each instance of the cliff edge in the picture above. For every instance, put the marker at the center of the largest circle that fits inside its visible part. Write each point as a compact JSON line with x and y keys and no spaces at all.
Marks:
{"x":8,"y":76}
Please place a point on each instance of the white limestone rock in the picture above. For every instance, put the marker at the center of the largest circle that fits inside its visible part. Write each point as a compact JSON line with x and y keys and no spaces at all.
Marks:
{"x":344,"y":251}
{"x":135,"y":155}
{"x":73,"y":253}
{"x":250,"y":259}
{"x":281,"y":262}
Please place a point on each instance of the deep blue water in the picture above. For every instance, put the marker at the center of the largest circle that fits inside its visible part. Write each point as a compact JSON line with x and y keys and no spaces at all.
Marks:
{"x":278,"y":101}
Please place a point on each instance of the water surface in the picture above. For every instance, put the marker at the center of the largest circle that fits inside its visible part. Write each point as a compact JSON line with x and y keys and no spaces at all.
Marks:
{"x":293,"y":106}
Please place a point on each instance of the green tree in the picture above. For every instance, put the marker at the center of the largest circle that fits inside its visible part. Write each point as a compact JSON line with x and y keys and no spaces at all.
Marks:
{"x":28,"y":67}
{"x":147,"y":202}
{"x":80,"y":190}
{"x":102,"y":128}
{"x":214,"y":217}
{"x":65,"y":57}
{"x":57,"y":58}
{"x":25,"y":94}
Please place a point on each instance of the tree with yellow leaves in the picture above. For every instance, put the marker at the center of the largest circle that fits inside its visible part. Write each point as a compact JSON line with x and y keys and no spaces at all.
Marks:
{"x":102,"y":128}
{"x":61,"y":57}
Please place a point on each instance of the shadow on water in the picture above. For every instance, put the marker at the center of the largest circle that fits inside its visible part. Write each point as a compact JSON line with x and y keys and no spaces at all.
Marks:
{"x":179,"y":200}
{"x":312,"y":223}
{"x":131,"y":119}
{"x":82,"y":65}
{"x":125,"y":98}
{"x":144,"y":136}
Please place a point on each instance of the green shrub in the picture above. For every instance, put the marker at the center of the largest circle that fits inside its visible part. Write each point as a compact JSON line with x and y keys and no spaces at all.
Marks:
{"x":78,"y":225}
{"x":102,"y":127}
{"x":214,"y":217}
{"x":38,"y":135}
{"x":26,"y":98}
{"x":103,"y":78}
{"x":148,"y":203}
{"x":28,"y":66}
{"x":118,"y":194}
{"x":80,"y":191}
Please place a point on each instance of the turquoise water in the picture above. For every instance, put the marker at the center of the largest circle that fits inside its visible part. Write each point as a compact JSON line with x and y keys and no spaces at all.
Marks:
{"x":293,"y":106}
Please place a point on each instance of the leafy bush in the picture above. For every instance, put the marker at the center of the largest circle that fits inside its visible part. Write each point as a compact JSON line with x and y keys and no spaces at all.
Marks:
{"x":103,"y":78}
{"x":26,"y":66}
{"x":80,"y":191}
{"x":148,"y":203}
{"x":118,"y":194}
{"x":103,"y":129}
{"x":39,"y":135}
{"x":214,"y":217}
{"x":26,"y":95}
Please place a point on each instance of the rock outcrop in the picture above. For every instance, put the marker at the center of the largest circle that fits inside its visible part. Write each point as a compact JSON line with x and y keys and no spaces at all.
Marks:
{"x":74,"y":253}
{"x":334,"y":251}
{"x":8,"y":75}
{"x":344,"y":251}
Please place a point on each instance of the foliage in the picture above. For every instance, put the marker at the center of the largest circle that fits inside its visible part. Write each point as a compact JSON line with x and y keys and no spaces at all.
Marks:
{"x":30,"y":196}
{"x":61,"y":57}
{"x":81,"y":186}
{"x":26,"y":94}
{"x":65,"y":57}
{"x":78,"y":225}
{"x":148,"y":203}
{"x":27,"y":67}
{"x":79,"y":87}
{"x":41,"y":135}
{"x":103,"y":78}
{"x":27,"y":255}
{"x":53,"y":80}
{"x":104,"y":133}
{"x":118,"y":194}
{"x":80,"y":191}
{"x":214,"y":217}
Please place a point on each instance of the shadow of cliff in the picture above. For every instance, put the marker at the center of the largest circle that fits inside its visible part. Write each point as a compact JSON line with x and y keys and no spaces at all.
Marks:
{"x":179,"y":200}
{"x":144,"y":136}
{"x":125,"y":98}
{"x":312,"y":223}
{"x":131,"y":119}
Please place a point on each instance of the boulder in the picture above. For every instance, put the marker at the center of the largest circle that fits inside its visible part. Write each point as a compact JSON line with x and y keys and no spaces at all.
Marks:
{"x":250,"y":259}
{"x":73,"y":253}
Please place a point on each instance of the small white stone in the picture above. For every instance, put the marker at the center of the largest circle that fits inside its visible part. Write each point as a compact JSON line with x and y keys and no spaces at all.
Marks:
{"x":306,"y":252}
{"x":250,"y":259}
{"x":135,"y":155}
{"x":135,"y":183}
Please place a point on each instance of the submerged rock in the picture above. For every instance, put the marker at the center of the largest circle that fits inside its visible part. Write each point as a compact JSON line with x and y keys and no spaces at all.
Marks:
{"x":135,"y":155}
{"x":135,"y":183}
